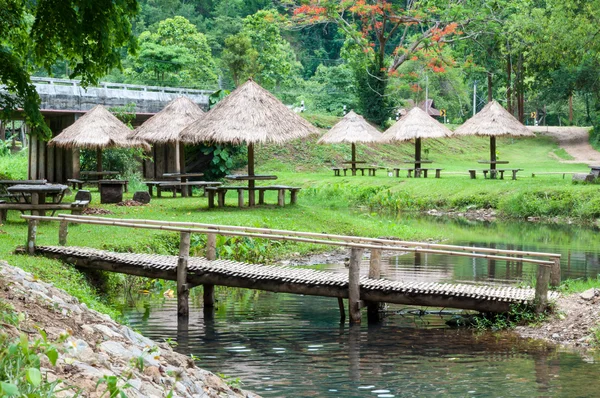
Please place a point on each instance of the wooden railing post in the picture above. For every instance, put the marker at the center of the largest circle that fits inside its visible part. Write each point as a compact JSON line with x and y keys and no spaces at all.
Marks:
{"x":541,"y":288}
{"x":183,"y":291}
{"x":63,"y":231}
{"x":31,"y":235}
{"x":555,"y":273}
{"x":374,"y":307}
{"x":354,"y":285}
{"x":211,"y":254}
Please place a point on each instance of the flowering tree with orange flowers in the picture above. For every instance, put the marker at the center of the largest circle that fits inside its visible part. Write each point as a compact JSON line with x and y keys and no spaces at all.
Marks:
{"x":386,"y":34}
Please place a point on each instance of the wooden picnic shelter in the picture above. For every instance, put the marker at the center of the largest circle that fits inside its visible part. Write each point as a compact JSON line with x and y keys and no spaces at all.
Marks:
{"x":98,"y":129}
{"x":162,"y":132}
{"x":416,"y":125}
{"x":352,"y":129}
{"x":249,"y":115}
{"x":493,"y":121}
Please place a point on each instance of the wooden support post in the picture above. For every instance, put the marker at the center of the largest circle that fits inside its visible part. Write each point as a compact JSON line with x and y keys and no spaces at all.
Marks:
{"x":354,"y":285}
{"x":555,"y":273}
{"x":31,"y":235}
{"x":281,"y":197}
{"x":211,"y":254}
{"x":541,"y":288}
{"x":63,"y":231}
{"x":183,"y":292}
{"x":373,"y":307}
{"x":342,"y":311}
{"x":240,"y":193}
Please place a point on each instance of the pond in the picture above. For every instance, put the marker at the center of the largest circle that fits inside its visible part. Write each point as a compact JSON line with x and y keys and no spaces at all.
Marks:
{"x":282,"y":345}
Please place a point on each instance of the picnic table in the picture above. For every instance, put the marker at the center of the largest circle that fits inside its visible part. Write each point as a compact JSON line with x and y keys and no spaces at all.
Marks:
{"x":221,"y":191}
{"x":417,"y":169}
{"x":32,"y":197}
{"x":184,"y":179}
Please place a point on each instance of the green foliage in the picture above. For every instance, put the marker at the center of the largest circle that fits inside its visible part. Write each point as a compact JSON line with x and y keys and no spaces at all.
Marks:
{"x":579,"y":285}
{"x":224,"y":157}
{"x":20,"y":360}
{"x":240,"y":58}
{"x":519,"y":314}
{"x":276,"y":60}
{"x":174,"y":54}
{"x":88,"y":34}
{"x":245,"y":249}
{"x":14,"y":167}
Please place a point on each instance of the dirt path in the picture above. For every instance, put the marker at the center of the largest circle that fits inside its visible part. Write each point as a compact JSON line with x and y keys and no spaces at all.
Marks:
{"x":574,"y":140}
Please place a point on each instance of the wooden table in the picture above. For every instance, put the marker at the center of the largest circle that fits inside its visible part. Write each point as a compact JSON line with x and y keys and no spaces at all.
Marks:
{"x":251,"y":179}
{"x":35,"y":195}
{"x":97,"y":174}
{"x":9,"y":183}
{"x":492,"y":168}
{"x":184,"y":178}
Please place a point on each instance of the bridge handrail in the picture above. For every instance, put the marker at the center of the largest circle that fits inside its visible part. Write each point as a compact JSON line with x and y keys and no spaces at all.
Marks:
{"x":356,"y":239}
{"x":123,"y":86}
{"x":304,"y":237}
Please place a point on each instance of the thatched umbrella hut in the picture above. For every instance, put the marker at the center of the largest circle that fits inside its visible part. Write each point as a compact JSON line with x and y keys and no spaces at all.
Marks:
{"x":351,"y":129}
{"x":249,"y":115}
{"x":164,"y":128}
{"x":416,"y":125}
{"x":493,"y":121}
{"x":98,"y":129}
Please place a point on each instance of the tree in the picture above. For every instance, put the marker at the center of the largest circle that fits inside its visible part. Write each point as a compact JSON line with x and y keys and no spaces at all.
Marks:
{"x":240,"y":57}
{"x":176,"y":53}
{"x":276,"y":59}
{"x":387,"y":34}
{"x":88,"y":34}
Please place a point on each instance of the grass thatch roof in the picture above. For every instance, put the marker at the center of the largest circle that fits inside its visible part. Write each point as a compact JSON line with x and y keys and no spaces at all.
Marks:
{"x":352,"y":128}
{"x":97,"y":129}
{"x":415,"y":124}
{"x":166,"y":125}
{"x":493,"y":120}
{"x":250,"y":114}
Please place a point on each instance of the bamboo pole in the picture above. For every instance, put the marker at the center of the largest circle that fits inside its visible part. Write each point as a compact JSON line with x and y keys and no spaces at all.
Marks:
{"x":183,"y":309}
{"x":342,"y":310}
{"x":356,"y":239}
{"x":354,"y":286}
{"x":63,"y":231}
{"x":31,"y":236}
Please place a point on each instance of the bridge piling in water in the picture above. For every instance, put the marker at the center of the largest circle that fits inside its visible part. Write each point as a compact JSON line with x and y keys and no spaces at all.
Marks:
{"x":374,"y":307}
{"x":354,"y":286}
{"x":183,"y":291}
{"x":208,"y":289}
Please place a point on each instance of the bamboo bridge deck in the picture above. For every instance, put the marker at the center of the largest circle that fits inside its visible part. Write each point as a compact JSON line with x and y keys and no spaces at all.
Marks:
{"x":201,"y":271}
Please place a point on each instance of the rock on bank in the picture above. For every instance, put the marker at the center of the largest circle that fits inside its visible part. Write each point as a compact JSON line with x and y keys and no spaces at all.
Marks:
{"x":93,"y":346}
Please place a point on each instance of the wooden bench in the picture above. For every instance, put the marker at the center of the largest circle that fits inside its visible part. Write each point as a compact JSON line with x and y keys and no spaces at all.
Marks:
{"x":175,"y":185}
{"x":425,"y":170}
{"x":76,"y":207}
{"x":370,"y":170}
{"x":221,"y":191}
{"x":397,"y":171}
{"x":472,"y":173}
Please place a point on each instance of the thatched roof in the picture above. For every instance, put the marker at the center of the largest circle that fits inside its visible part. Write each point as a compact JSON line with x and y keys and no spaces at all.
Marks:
{"x":415,"y":124}
{"x":250,"y":114}
{"x":352,"y":128}
{"x":493,"y":120}
{"x":97,"y":129}
{"x":166,"y":125}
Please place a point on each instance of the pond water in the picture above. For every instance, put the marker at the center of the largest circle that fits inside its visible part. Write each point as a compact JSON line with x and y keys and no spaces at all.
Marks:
{"x":282,"y":345}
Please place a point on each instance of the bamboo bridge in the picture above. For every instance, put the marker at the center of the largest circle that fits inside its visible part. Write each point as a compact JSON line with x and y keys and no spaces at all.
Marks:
{"x":361,"y":292}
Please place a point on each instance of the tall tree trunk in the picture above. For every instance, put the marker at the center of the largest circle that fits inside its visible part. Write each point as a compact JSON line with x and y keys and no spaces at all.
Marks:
{"x":520,"y":89}
{"x":509,"y":85}
{"x":571,"y":109}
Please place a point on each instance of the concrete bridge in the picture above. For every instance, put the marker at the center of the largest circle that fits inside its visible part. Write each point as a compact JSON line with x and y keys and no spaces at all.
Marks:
{"x":62,"y":95}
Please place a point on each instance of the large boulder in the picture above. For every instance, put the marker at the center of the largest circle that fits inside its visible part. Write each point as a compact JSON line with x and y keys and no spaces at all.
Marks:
{"x":142,"y":197}
{"x":580,"y":177}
